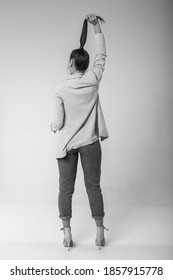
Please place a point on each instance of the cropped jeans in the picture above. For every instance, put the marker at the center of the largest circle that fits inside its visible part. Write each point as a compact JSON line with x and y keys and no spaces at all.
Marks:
{"x":90,"y":156}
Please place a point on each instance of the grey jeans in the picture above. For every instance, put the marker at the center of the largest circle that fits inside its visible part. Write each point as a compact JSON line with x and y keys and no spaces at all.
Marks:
{"x":91,"y":164}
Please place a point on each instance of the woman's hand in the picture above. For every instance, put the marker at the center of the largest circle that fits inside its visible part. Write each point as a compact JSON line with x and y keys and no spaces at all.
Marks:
{"x":92,"y":18}
{"x":52,"y":128}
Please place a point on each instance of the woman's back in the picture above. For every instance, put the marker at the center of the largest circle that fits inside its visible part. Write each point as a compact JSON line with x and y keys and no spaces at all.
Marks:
{"x":78,"y":113}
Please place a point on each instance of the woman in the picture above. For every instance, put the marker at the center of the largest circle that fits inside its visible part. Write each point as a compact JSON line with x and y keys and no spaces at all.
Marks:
{"x":79,"y":120}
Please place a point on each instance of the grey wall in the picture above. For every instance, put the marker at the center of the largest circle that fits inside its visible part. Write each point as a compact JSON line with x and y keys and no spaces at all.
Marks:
{"x":136,"y":95}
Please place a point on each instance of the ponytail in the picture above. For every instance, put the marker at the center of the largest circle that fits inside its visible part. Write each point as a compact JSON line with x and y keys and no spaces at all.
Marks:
{"x":83,"y":36}
{"x":84,"y":31}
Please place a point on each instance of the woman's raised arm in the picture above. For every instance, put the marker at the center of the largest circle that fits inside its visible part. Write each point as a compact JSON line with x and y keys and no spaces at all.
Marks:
{"x":100,"y":58}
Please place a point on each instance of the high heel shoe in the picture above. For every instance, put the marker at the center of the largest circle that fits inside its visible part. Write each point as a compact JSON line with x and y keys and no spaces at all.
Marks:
{"x":100,"y":239}
{"x":68,"y":242}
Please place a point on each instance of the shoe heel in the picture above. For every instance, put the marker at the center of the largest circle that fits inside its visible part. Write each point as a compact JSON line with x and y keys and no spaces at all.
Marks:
{"x":68,"y":244}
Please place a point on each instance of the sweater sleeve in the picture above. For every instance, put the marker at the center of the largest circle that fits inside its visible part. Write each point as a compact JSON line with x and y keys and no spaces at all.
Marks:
{"x":100,"y":58}
{"x":57,"y":112}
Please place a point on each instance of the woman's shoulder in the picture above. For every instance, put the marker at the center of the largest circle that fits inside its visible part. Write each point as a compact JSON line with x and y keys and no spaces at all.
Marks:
{"x":57,"y":89}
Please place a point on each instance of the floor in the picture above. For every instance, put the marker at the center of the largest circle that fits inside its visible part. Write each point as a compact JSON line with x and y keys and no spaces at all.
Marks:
{"x":30,"y":231}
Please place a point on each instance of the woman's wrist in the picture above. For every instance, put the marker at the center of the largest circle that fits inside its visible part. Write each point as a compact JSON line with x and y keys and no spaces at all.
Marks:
{"x":97,"y":27}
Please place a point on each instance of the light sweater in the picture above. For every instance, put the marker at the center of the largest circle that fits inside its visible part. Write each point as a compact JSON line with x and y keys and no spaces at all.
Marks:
{"x":77,"y":115}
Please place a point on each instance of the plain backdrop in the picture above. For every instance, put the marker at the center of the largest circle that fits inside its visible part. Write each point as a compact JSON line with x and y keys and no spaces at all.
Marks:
{"x":37,"y":37}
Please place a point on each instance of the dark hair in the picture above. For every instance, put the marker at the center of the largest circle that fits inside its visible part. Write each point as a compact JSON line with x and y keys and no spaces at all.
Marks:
{"x":81,"y":56}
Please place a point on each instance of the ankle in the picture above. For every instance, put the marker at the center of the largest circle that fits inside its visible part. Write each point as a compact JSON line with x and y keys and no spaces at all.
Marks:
{"x":66,"y":223}
{"x":99,"y":222}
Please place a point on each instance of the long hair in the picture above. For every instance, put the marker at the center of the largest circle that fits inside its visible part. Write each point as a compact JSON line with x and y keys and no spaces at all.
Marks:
{"x":81,"y":56}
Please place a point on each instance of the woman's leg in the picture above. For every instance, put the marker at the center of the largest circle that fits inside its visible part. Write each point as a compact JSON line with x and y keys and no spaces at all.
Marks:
{"x":67,"y":175}
{"x":91,"y":164}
